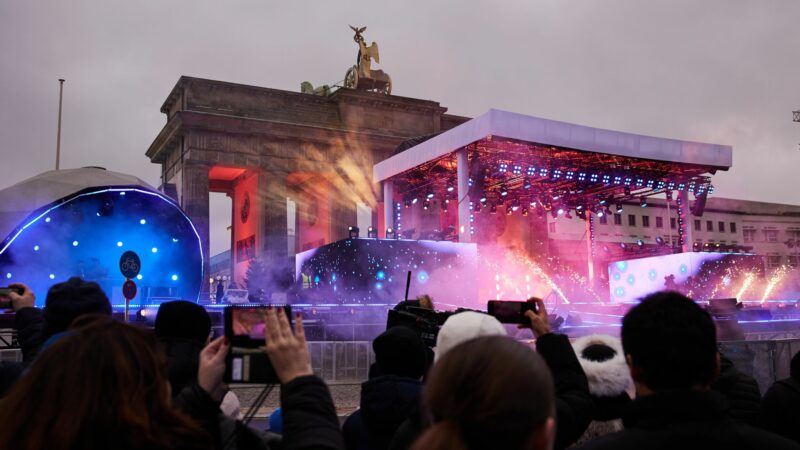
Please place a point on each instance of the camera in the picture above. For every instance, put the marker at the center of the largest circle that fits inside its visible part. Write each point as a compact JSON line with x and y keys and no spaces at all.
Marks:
{"x":425,"y":322}
{"x":247,"y":361}
{"x":5,"y":302}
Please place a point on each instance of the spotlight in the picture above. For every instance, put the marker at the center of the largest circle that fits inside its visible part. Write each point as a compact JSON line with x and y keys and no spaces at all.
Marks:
{"x":407,"y":204}
{"x":619,"y":208}
{"x":142,"y":221}
{"x":600,"y":212}
{"x":643,"y":202}
{"x":74,"y":243}
{"x":669,"y":196}
{"x":509,"y":210}
{"x":372,"y":232}
{"x":119,"y":243}
{"x":660,"y":240}
{"x":532,"y":204}
{"x":429,"y":195}
{"x":353,"y":232}
{"x":515,"y":205}
{"x":640,"y":243}
{"x":414,"y":201}
{"x":560,"y":210}
{"x":174,"y":277}
{"x":390,"y":234}
{"x":426,"y":204}
{"x":450,"y":187}
{"x":526,"y":183}
{"x":524,"y":212}
{"x":106,"y":209}
{"x":503,"y":191}
{"x":483,"y":199}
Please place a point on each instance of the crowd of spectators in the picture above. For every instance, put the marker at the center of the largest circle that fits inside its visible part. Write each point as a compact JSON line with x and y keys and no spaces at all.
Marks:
{"x":87,"y":381}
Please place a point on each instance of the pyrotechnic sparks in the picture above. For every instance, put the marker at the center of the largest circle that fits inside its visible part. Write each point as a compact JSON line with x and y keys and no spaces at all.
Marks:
{"x":748,"y":280}
{"x":774,"y":279}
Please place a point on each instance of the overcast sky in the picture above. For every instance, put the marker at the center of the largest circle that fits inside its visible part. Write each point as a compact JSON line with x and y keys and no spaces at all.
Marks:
{"x":723,"y":71}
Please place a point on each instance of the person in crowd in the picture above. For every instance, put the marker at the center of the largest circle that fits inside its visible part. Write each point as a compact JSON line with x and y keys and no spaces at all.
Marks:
{"x":64,"y":302}
{"x":489,"y":392}
{"x":779,"y":410}
{"x":309,"y":416}
{"x":100,"y":386}
{"x":127,"y":403}
{"x":610,"y":383}
{"x":574,"y":405}
{"x":671,"y":349}
{"x":391,"y":395}
{"x":184,"y":328}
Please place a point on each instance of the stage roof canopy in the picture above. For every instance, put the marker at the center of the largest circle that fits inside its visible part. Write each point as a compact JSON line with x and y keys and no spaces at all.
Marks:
{"x":511,"y":152}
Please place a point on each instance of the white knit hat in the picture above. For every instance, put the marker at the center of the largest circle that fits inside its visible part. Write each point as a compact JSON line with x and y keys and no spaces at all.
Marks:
{"x":465,"y":326}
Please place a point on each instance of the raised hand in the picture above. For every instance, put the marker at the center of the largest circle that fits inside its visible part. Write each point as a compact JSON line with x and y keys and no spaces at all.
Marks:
{"x":287,"y":351}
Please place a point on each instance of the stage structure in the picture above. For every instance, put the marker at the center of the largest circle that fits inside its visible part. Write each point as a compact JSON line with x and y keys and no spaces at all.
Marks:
{"x":79,"y":222}
{"x":373,"y":271}
{"x":494,"y":179}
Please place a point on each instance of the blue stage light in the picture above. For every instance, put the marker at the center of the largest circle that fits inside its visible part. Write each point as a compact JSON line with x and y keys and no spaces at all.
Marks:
{"x":381,"y":275}
{"x":8,"y":275}
{"x":139,"y":277}
{"x":74,"y":243}
{"x":36,"y":248}
{"x":119,"y":243}
{"x":52,"y":276}
{"x":174,"y":239}
{"x":174,"y":278}
{"x":154,"y":250}
{"x":47,"y":220}
{"x":142,"y":221}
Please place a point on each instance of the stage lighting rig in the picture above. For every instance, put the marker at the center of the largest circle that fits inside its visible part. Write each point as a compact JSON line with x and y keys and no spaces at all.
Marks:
{"x":390,"y":233}
{"x":372,"y":232}
{"x":353,"y":232}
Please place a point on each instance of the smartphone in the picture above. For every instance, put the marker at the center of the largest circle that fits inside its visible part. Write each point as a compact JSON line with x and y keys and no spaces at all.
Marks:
{"x":5,"y":302}
{"x":247,"y":361}
{"x":510,"y":312}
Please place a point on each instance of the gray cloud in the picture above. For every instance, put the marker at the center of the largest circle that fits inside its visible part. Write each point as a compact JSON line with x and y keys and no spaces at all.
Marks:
{"x":724,"y":71}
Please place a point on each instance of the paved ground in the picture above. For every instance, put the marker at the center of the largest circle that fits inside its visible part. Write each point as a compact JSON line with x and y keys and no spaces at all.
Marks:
{"x":346,"y":396}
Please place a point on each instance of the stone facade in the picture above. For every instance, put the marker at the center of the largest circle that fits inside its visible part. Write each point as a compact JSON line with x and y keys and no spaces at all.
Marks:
{"x":262,"y":146}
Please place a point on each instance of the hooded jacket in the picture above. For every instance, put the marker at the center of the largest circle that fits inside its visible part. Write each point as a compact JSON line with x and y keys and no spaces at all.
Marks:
{"x":603,"y":361}
{"x":779,"y":408}
{"x":386,"y":402}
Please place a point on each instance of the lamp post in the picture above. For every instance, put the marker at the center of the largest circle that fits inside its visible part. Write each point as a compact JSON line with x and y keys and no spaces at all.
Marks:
{"x":58,"y":133}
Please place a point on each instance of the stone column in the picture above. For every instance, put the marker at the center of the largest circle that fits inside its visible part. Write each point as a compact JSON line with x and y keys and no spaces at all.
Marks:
{"x":685,"y":220}
{"x":388,"y":206}
{"x":462,"y":163}
{"x":274,"y":244}
{"x":194,"y":201}
{"x":590,"y":249}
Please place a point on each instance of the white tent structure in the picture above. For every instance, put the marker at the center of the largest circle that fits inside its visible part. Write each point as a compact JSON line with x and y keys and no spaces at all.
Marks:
{"x":19,"y":201}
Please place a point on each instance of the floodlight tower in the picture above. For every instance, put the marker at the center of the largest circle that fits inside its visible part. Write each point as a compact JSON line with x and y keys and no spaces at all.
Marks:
{"x":796,"y":115}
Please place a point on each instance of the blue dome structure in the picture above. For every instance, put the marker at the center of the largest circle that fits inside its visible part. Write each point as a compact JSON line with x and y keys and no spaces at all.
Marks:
{"x":79,"y":222}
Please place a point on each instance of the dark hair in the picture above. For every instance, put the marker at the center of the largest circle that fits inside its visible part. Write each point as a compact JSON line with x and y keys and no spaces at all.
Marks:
{"x":400,"y":351}
{"x":102,"y":385}
{"x":488,"y":392}
{"x":671,"y":341}
{"x":70,"y":299}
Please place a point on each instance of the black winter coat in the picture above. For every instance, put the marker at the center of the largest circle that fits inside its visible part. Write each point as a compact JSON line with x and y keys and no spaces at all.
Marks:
{"x":685,"y":420}
{"x":780,"y":409}
{"x":309,"y":418}
{"x":386,"y":402}
{"x":741,"y":392}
